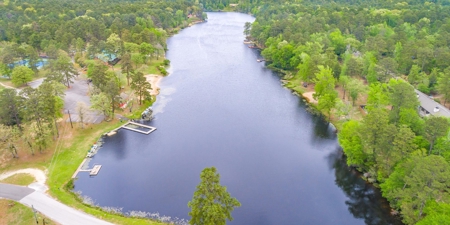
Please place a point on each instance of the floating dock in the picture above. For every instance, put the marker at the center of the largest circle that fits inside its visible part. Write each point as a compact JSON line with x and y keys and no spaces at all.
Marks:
{"x":95,"y":170}
{"x":133,"y":126}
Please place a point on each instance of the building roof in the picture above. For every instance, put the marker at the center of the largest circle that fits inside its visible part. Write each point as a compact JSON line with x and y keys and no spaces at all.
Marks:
{"x":430,"y":105}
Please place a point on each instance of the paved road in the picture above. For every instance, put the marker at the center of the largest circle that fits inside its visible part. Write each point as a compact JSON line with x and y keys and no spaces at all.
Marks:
{"x":14,"y":192}
{"x":36,"y":83}
{"x":46,"y":205}
{"x":78,"y":92}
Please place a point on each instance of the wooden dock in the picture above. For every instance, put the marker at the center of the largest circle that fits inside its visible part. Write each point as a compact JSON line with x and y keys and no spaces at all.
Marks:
{"x":78,"y":169}
{"x":95,"y":170}
{"x":150,"y":129}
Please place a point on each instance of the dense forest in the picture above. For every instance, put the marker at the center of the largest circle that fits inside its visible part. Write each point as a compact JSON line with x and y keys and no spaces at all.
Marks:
{"x":354,"y":54}
{"x":59,"y":40}
{"x":372,"y":54}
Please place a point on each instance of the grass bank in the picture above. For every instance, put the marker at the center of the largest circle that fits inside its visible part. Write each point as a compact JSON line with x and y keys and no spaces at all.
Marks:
{"x":22,"y":179}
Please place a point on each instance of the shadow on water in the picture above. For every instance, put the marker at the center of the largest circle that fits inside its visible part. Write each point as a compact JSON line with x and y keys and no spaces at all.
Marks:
{"x":365,"y":200}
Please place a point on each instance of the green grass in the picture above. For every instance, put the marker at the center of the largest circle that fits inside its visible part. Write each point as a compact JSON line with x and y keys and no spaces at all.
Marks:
{"x":136,"y":114}
{"x":23,"y":179}
{"x":151,"y":67}
{"x":68,"y":161}
{"x":18,"y":214}
{"x":295,"y":84}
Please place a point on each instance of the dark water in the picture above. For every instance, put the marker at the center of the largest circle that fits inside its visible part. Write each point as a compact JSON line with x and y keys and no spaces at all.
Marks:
{"x":219,"y":107}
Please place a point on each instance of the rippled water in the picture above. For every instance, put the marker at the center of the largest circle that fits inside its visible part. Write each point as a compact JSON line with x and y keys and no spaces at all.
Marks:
{"x":219,"y":107}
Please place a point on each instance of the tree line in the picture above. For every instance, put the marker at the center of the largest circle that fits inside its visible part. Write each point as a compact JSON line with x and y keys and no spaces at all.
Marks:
{"x":374,"y":53}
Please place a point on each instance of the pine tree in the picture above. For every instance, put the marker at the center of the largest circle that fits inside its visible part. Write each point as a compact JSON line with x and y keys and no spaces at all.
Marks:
{"x":211,"y":204}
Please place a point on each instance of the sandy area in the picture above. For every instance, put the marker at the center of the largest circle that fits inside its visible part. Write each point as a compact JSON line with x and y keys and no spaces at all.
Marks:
{"x":39,"y":175}
{"x":154,"y":80}
{"x":309,"y":96}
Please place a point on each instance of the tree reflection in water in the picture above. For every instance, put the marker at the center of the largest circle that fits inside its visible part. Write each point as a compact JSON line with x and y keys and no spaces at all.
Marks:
{"x":365,"y":201}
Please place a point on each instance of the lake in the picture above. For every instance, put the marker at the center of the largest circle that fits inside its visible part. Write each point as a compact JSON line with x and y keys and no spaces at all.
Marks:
{"x":220,"y":107}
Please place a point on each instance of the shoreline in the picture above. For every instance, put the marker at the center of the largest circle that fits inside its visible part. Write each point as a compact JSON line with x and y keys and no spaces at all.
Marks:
{"x":154,"y":80}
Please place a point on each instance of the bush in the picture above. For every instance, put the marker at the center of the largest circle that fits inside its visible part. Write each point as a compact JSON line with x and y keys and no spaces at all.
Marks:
{"x":70,"y":184}
{"x":166,"y":62}
{"x":162,"y":70}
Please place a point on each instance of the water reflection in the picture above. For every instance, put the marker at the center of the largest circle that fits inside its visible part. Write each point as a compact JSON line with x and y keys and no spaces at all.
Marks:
{"x":365,"y":201}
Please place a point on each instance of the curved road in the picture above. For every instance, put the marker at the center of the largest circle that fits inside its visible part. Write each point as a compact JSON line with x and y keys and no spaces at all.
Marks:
{"x":46,"y":205}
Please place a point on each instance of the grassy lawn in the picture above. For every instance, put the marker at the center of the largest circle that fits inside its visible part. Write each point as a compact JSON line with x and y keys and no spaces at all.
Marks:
{"x":6,"y":81}
{"x":23,"y":179}
{"x":13,"y":213}
{"x":151,"y":66}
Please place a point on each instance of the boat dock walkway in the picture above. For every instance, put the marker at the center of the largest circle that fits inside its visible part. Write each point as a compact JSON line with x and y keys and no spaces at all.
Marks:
{"x":95,"y":170}
{"x":83,"y":168}
{"x":133,"y":126}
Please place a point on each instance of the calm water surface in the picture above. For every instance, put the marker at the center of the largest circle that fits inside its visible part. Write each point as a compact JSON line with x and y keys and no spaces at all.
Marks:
{"x":219,"y":107}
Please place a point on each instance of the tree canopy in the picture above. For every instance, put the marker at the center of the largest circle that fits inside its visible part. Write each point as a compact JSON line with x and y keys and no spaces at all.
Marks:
{"x":211,"y":204}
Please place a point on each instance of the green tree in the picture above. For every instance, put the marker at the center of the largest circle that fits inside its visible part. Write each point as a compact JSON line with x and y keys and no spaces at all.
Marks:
{"x":327,"y":102}
{"x":127,"y":67}
{"x":356,"y":88}
{"x":402,"y":145}
{"x":141,"y":86}
{"x":344,"y":81}
{"x":113,"y":45}
{"x":8,"y":139}
{"x":387,"y":68}
{"x":10,"y":112}
{"x":435,"y":127}
{"x":443,"y":84}
{"x":5,"y":70}
{"x":431,"y":172}
{"x":21,"y":75}
{"x":101,"y":103}
{"x":306,"y":68}
{"x":211,"y":204}
{"x":375,"y":135}
{"x":247,"y":28}
{"x":99,"y":75}
{"x":40,"y":109}
{"x":377,"y":97}
{"x":411,"y":118}
{"x":402,"y":96}
{"x":372,"y":75}
{"x":63,"y":67}
{"x":351,"y":143}
{"x":414,"y":75}
{"x":146,"y":49}
{"x":324,"y":82}
{"x":112,"y":90}
{"x":436,"y":213}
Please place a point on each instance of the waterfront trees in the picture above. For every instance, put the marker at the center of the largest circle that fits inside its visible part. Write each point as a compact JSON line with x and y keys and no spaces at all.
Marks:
{"x":211,"y":204}
{"x":141,"y":86}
